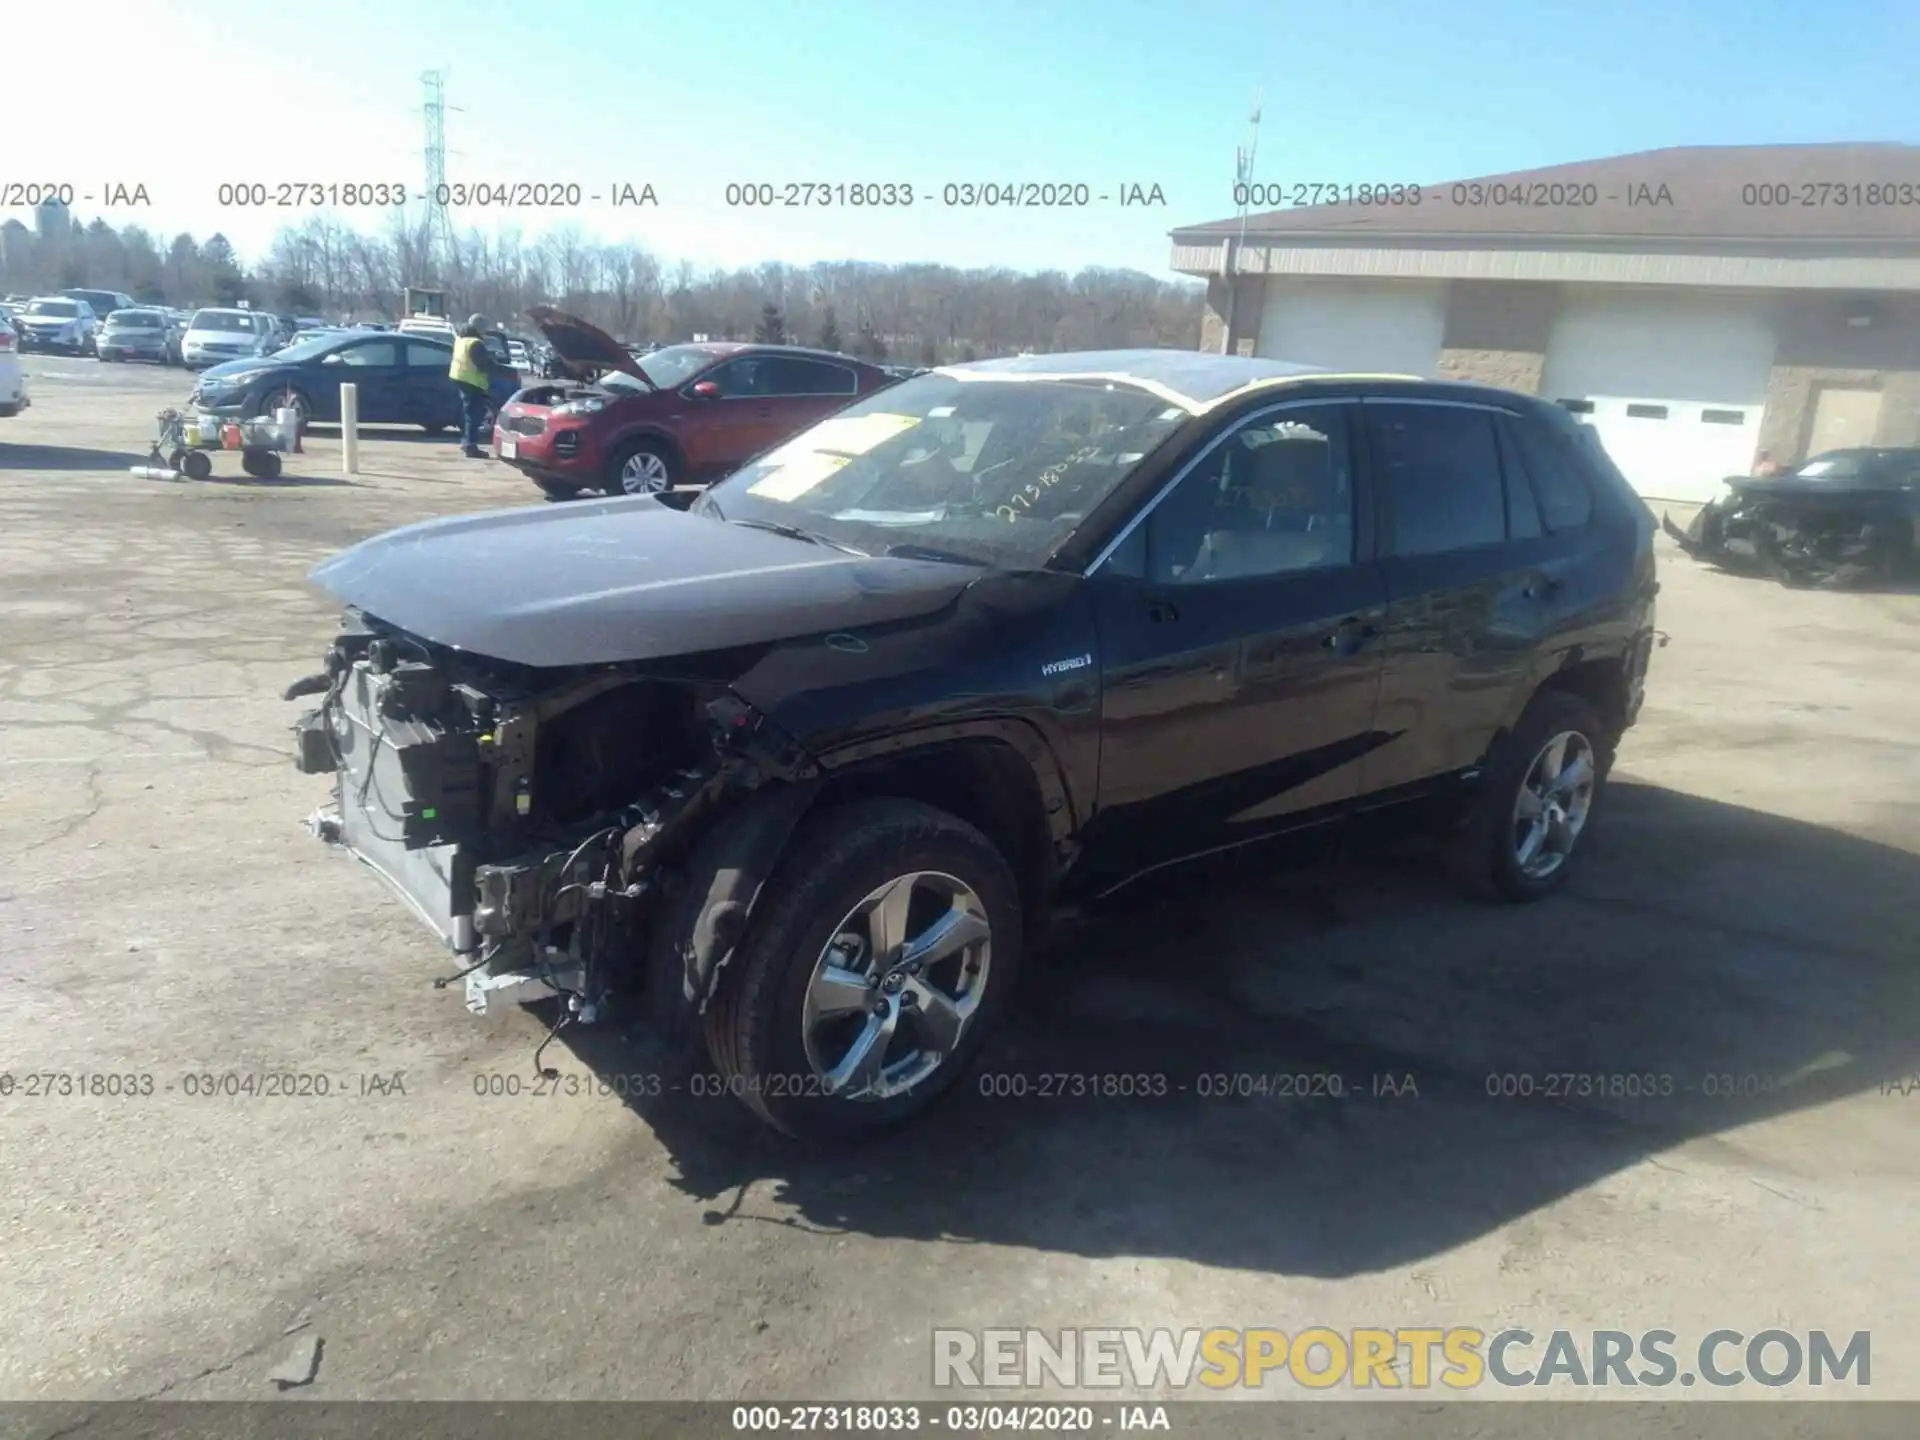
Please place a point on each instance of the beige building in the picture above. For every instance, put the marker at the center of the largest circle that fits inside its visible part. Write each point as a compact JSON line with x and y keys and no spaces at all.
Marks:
{"x":1695,"y":305}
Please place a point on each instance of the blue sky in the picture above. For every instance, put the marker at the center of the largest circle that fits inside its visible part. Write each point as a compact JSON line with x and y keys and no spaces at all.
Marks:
{"x":689,"y":96}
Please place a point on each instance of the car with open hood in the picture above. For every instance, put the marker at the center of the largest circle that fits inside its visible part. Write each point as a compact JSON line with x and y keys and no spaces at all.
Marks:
{"x":679,"y":415}
{"x":803,"y":768}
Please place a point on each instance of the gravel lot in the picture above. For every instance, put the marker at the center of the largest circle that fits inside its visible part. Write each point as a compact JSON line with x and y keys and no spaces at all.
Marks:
{"x":1749,"y":912}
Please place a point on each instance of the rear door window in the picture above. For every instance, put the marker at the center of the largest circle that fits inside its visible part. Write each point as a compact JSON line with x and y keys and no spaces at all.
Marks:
{"x":794,"y":375}
{"x":1439,"y":470}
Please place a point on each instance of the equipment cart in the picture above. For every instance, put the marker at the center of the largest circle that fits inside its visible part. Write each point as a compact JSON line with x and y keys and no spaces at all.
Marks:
{"x":186,"y":437}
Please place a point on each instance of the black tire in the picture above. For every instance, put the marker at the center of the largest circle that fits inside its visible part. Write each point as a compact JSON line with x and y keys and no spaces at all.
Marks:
{"x":614,"y":482}
{"x":263,"y":463}
{"x":556,"y":492}
{"x":1483,"y":855}
{"x":196,"y":465}
{"x":434,"y":429}
{"x":753,"y":1026}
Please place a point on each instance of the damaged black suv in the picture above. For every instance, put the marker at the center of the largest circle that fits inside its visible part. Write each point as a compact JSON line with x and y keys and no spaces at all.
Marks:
{"x":803,"y":768}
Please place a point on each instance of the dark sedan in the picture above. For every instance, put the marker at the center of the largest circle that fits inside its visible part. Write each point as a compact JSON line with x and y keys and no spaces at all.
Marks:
{"x":402,"y":380}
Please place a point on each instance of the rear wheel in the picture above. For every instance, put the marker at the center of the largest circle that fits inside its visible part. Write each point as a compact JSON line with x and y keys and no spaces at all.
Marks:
{"x":1525,"y":829}
{"x":262,"y":463}
{"x":642,"y":467}
{"x":884,"y":952}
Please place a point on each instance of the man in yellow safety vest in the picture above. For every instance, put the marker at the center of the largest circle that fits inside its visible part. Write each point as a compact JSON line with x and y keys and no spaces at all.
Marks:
{"x":473,"y":370}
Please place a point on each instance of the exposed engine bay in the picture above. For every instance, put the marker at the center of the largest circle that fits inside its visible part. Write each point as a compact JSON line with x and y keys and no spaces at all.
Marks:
{"x":1806,"y":530}
{"x":476,"y":788}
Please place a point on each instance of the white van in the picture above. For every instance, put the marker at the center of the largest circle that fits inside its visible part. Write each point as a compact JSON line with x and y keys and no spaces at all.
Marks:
{"x":214,"y":336}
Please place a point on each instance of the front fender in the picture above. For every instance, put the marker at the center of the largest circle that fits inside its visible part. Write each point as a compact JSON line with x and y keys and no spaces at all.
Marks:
{"x":718,"y":888}
{"x":1022,"y":736}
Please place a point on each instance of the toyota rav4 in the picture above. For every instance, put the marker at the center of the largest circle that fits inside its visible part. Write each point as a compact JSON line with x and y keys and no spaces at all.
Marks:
{"x":802,"y":769}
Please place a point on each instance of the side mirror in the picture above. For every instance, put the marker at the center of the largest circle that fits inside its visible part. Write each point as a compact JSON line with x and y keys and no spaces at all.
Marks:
{"x":705,"y":390}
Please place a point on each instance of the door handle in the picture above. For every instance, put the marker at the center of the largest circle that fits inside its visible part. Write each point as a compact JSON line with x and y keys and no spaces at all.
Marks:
{"x":1162,"y":611}
{"x":766,"y":412}
{"x":1543,"y":587}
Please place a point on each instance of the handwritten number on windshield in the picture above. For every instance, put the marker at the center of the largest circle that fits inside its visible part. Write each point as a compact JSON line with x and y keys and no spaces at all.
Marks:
{"x":1047,"y":479}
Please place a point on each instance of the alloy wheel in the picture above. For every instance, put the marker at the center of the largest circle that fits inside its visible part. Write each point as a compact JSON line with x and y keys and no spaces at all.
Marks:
{"x":1552,"y":807}
{"x":896,"y":987}
{"x":644,"y":473}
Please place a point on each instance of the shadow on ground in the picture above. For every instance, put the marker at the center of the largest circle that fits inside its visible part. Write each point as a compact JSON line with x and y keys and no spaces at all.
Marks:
{"x":1725,"y":963}
{"x":66,"y":457}
{"x":409,"y":434}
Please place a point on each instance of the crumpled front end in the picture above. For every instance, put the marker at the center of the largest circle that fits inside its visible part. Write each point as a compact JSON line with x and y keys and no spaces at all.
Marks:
{"x":529,"y":818}
{"x":1808,"y":537}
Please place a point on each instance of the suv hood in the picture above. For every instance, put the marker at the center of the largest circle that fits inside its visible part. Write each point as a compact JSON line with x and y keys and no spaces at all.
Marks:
{"x":583,"y":346}
{"x":621,"y":580}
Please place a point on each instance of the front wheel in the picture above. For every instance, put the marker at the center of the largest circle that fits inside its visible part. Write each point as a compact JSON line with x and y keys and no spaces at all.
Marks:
{"x":885,"y":950}
{"x":644,"y":467}
{"x":289,"y":399}
{"x":1524,"y":831}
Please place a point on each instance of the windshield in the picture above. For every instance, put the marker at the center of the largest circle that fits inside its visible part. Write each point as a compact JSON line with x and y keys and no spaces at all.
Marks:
{"x":238,"y":322}
{"x":669,"y":367}
{"x":64,"y":308}
{"x":994,"y":471}
{"x":135,"y":320}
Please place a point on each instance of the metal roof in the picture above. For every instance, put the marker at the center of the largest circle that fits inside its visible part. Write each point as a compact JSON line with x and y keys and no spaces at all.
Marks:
{"x":1753,"y":193}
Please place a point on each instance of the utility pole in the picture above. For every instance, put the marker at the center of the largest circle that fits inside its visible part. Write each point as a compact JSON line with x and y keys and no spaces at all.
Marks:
{"x":1243,"y":157}
{"x":437,"y":230}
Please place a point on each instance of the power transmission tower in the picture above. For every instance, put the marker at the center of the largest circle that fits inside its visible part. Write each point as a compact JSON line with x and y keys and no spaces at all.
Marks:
{"x":1243,"y":157}
{"x":437,"y":231}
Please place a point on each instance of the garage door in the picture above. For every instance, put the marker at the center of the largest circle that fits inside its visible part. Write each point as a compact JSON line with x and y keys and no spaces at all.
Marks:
{"x":1373,"y":328}
{"x":1675,"y":385}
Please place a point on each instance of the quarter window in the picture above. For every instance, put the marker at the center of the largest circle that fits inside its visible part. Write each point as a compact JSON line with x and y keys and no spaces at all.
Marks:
{"x":1566,"y":500}
{"x":1440,"y":470}
{"x":1274,"y":498}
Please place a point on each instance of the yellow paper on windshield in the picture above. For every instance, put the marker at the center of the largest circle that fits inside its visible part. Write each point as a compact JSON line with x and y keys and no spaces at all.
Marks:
{"x":801,"y":464}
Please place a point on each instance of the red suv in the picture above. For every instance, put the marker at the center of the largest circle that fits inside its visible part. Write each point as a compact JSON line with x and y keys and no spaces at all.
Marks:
{"x":683,"y":414}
